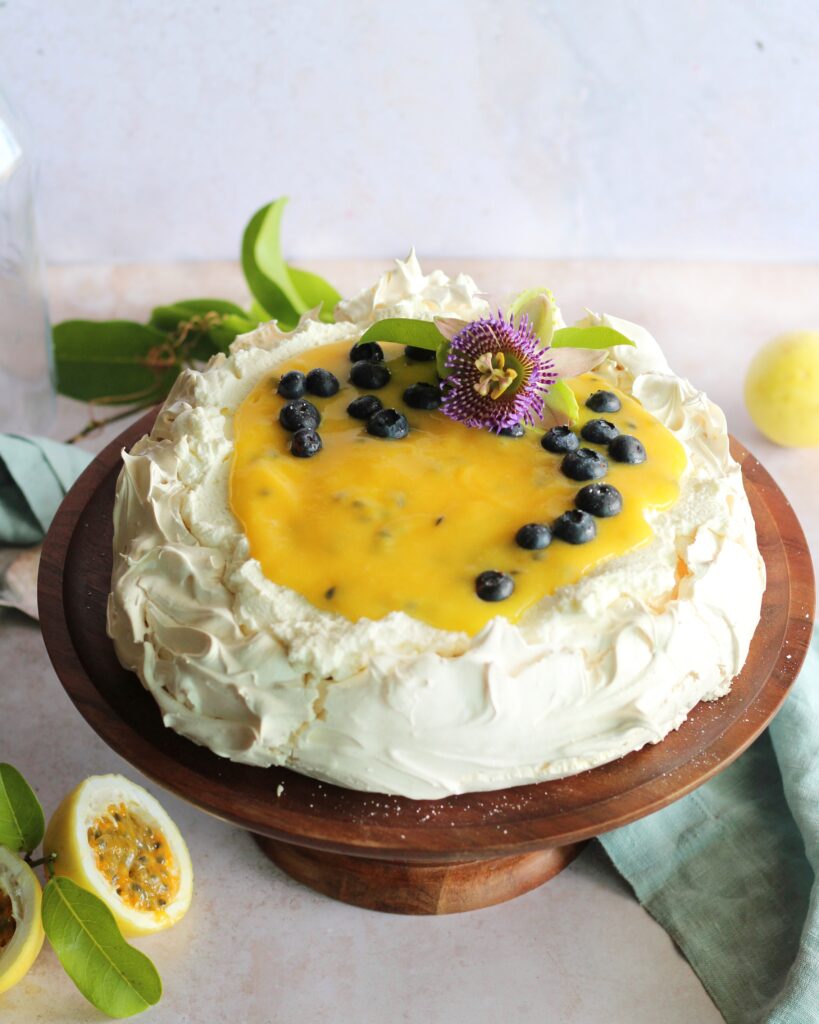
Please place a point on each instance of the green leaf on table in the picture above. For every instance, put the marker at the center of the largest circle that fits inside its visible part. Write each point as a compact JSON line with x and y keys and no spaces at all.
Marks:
{"x":113,"y":361}
{"x":115,"y":977}
{"x":596,"y":336}
{"x":562,"y":402}
{"x":21,"y":817}
{"x":405,"y":331}
{"x":283,"y":292}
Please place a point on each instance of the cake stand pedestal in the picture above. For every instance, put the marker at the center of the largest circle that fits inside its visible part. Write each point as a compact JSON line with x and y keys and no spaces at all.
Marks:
{"x":405,"y":888}
{"x":389,"y":853}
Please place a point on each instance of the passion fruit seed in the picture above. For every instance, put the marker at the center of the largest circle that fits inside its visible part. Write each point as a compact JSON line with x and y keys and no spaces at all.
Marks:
{"x":8,"y":922}
{"x":134,"y":858}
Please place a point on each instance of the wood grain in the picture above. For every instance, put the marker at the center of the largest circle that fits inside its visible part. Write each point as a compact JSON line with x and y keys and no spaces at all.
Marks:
{"x":73,"y":590}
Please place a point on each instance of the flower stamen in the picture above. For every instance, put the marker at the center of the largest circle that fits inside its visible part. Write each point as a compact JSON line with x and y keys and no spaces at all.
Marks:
{"x":495,"y":377}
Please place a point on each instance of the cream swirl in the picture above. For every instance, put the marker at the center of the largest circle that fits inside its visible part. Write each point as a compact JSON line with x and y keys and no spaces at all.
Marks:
{"x":255,"y":672}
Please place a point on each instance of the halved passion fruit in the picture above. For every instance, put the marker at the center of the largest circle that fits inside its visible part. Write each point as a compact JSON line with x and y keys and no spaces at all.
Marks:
{"x":113,"y":838}
{"x":21,"y":925}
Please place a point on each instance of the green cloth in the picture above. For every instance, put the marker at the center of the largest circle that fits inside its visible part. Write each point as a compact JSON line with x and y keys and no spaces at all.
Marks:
{"x":35,"y":474}
{"x":730,"y":871}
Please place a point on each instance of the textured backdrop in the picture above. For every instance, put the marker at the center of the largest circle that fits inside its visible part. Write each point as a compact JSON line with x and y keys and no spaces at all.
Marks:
{"x":634,"y":128}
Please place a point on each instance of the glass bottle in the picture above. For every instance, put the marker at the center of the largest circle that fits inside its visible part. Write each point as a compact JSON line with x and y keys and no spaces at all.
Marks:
{"x":27,"y":402}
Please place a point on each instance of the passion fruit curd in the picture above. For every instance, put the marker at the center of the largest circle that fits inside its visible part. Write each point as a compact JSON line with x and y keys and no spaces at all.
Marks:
{"x":374,"y":525}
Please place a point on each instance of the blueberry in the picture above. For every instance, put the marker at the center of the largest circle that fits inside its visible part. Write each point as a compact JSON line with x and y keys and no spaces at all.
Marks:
{"x":601,"y":500}
{"x":388,"y":423}
{"x":370,"y":351}
{"x":599,"y":431}
{"x":369,"y":375}
{"x":305,"y":443}
{"x":292,"y":385}
{"x":422,"y":396}
{"x":575,"y":527}
{"x":584,"y":464}
{"x":364,"y":406}
{"x":420,"y":355}
{"x":603,"y":401}
{"x":322,"y":383}
{"x":627,"y":448}
{"x":533,"y":537}
{"x":494,"y":586}
{"x":560,"y":439}
{"x":516,"y":430}
{"x":299,"y":413}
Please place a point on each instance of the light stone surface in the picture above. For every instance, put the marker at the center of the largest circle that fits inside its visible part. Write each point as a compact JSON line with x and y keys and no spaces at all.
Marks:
{"x":258,"y":947}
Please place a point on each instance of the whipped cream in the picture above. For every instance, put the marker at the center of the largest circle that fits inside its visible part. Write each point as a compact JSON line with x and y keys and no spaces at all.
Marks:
{"x":256,"y":673}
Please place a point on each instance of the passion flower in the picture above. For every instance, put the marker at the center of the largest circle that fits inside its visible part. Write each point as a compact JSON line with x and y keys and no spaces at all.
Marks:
{"x":499,"y":374}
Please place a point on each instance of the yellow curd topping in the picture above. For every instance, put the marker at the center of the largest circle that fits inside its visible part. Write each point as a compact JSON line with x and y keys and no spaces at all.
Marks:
{"x":370,"y":526}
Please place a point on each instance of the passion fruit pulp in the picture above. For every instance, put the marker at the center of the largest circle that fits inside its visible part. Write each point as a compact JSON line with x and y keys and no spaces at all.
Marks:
{"x":21,"y":927}
{"x":113,"y":838}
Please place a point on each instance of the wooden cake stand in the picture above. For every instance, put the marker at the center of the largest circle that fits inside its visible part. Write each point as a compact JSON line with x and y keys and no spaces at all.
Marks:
{"x":389,"y":853}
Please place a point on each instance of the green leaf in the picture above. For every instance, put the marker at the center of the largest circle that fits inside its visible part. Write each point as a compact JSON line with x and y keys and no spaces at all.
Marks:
{"x":282,"y":292}
{"x":116,"y":360}
{"x":115,"y":977}
{"x":21,"y":816}
{"x":596,"y":336}
{"x":259,"y":314}
{"x":561,"y":399}
{"x":440,"y":360}
{"x":405,"y":331}
{"x":315,"y":291}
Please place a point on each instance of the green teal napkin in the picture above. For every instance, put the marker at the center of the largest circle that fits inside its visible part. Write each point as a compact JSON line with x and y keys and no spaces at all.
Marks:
{"x":35,"y":474}
{"x":730,"y":871}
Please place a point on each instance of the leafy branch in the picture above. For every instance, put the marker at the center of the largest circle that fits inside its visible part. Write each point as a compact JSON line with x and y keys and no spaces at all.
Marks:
{"x":125,"y":363}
